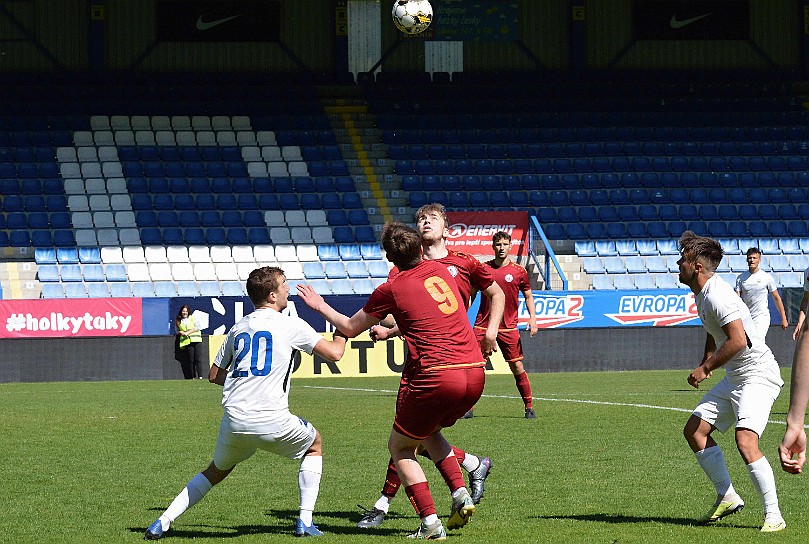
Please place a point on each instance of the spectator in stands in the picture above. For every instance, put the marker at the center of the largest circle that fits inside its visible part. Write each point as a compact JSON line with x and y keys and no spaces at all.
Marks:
{"x":191,"y":348}
{"x":253,"y":366}
{"x":753,"y":286}
{"x":743,"y":398}
{"x":512,"y":279}
{"x":443,"y":374}
{"x":794,"y":441}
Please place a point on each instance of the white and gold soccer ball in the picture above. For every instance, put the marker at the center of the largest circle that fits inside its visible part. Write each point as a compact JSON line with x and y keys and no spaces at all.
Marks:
{"x":412,"y":16}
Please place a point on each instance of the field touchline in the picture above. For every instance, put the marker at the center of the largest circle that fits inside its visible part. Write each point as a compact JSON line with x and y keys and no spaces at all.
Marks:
{"x":545,"y":399}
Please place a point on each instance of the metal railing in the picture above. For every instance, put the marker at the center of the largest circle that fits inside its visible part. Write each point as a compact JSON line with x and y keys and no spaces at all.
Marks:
{"x":542,"y":255}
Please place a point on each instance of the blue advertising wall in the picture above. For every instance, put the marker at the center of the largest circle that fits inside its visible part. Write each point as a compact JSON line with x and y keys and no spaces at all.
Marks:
{"x":554,"y":309}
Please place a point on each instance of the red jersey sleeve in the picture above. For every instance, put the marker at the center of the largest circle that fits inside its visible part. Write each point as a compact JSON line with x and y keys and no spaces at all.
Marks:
{"x":381,"y":302}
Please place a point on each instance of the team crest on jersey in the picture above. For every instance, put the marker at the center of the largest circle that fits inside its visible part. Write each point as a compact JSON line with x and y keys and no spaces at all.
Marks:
{"x":453,"y":271}
{"x":509,"y":278}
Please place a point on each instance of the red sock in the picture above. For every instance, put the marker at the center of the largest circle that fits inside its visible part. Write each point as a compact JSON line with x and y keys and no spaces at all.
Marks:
{"x":459,"y":454}
{"x":392,"y":481}
{"x":451,"y":471}
{"x":524,"y":387}
{"x":420,"y":498}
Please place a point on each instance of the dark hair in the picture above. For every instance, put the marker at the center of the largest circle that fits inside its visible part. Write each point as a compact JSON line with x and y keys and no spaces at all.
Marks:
{"x":402,"y":245}
{"x":263,"y":281}
{"x":500,"y":235}
{"x":179,"y":318}
{"x":694,"y":247}
{"x":753,"y":251}
{"x":433,"y":207}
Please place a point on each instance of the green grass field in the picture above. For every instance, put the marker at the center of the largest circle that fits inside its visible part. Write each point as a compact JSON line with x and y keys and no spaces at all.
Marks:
{"x":604,"y":462}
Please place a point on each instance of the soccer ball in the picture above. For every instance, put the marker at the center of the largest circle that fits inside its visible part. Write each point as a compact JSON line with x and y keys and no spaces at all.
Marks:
{"x":412,"y":16}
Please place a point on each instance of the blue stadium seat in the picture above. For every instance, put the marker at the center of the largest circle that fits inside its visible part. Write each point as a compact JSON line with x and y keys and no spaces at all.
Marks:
{"x":603,"y":282}
{"x":115,"y":272}
{"x":120,"y":290}
{"x":357,"y":269}
{"x":315,"y":270}
{"x":593,"y":265}
{"x":350,"y":252}
{"x":656,"y":264}
{"x":799,"y":262}
{"x":378,"y":269}
{"x":370,"y":251}
{"x":328,"y":252}
{"x":75,"y":290}
{"x":365,"y":234}
{"x":585,"y":248}
{"x":605,"y":248}
{"x":45,"y":256}
{"x":343,"y":234}
{"x":666,"y":281}
{"x":646,"y":247}
{"x":93,"y":273}
{"x":626,"y":247}
{"x":335,"y":270}
{"x":70,"y":273}
{"x":798,"y":228}
{"x":258,"y":235}
{"x":48,"y":273}
{"x":41,"y":238}
{"x":165,"y":289}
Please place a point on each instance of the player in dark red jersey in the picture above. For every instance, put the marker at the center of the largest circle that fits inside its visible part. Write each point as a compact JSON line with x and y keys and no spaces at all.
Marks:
{"x":470,"y":276}
{"x":443,"y":374}
{"x":513,"y":279}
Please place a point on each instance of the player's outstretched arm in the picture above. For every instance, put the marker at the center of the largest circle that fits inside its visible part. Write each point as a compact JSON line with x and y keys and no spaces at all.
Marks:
{"x":350,"y":326}
{"x":801,"y":316}
{"x":332,"y":350}
{"x":794,"y":441}
{"x":792,"y":450}
{"x":779,"y":305}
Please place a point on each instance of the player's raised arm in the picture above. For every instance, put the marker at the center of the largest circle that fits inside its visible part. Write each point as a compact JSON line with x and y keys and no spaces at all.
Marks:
{"x":350,"y":326}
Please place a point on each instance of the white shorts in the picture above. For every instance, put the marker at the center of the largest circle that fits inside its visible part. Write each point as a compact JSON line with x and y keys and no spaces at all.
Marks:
{"x":744,"y":406}
{"x":288,"y":436}
{"x":762,"y":324}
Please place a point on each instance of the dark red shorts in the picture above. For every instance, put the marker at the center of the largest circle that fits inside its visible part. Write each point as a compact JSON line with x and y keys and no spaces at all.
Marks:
{"x":438,"y":398}
{"x":508,"y":341}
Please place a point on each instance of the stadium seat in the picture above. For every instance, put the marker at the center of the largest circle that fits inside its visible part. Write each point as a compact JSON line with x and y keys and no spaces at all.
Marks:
{"x":603,"y":282}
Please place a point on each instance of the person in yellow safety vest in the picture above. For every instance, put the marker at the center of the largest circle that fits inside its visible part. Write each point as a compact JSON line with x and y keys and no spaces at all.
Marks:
{"x":191,"y":350}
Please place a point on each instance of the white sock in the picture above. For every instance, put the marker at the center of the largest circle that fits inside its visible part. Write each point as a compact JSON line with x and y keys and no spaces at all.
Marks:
{"x":457,"y":493}
{"x":763,"y":479}
{"x":712,"y":461}
{"x":470,"y":462}
{"x":383,"y":503}
{"x":193,"y":492}
{"x":430,"y":520}
{"x":309,"y":484}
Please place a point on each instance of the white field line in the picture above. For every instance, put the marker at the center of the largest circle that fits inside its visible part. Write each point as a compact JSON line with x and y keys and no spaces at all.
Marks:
{"x":546,"y":399}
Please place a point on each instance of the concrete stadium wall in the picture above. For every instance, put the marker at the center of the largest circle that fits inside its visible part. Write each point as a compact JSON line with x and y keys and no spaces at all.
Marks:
{"x":551,"y":350}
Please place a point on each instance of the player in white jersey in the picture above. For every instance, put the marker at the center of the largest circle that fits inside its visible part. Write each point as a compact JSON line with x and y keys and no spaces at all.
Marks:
{"x":254,"y":367}
{"x":754,"y":286}
{"x":744,"y":397}
{"x":793,"y":445}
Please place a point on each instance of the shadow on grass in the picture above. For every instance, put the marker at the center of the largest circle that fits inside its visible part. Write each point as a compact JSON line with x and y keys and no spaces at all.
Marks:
{"x":621,"y":518}
{"x":285,"y":524}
